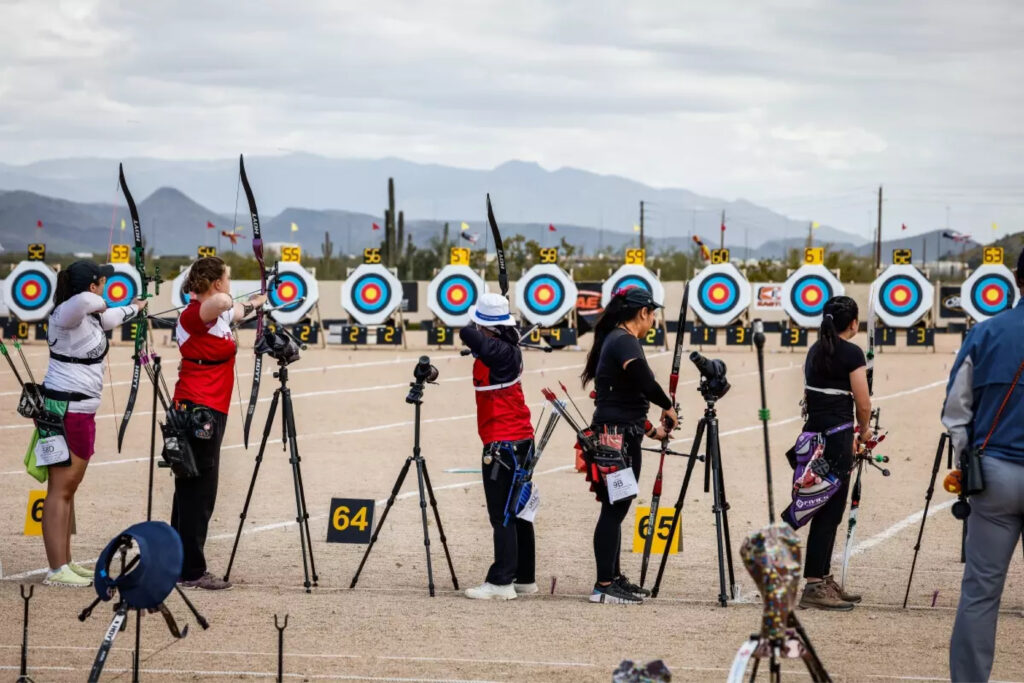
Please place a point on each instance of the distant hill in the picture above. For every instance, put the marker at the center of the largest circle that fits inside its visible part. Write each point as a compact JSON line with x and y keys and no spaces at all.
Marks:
{"x":930,"y":246}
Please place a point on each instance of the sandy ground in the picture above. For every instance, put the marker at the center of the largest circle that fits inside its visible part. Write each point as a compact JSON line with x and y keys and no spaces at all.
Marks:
{"x":355,"y":432}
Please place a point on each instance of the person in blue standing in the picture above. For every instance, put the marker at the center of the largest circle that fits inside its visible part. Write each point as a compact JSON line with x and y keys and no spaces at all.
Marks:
{"x":984,"y":409}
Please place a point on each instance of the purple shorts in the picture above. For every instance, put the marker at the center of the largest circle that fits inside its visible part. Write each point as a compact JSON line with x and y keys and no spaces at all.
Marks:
{"x":80,"y":432}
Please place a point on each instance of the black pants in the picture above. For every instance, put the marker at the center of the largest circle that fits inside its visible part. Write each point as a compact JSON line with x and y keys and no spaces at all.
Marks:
{"x":608,"y":532}
{"x":195,"y":498}
{"x":514,"y":549}
{"x":821,"y":539}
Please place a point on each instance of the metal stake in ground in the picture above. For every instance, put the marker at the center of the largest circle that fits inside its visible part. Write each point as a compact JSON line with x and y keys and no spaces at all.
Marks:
{"x":765,"y":416}
{"x":280,"y":647}
{"x":23,"y":673}
{"x":945,"y":445}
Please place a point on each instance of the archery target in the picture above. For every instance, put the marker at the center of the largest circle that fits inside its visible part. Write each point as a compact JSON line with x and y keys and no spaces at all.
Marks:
{"x":805,"y":292}
{"x":632,"y":276}
{"x":452,"y":293}
{"x":123,"y":286}
{"x":719,"y":294}
{"x":293,"y":292}
{"x":545,"y":294}
{"x":902,"y":296}
{"x":28,"y":291}
{"x":371,"y":294}
{"x":991,"y":289}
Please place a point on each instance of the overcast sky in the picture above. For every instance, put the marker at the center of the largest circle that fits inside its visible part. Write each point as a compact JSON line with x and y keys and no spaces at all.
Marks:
{"x":800,"y":105}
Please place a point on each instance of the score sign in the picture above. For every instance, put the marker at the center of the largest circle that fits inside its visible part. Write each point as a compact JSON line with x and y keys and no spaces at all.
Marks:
{"x":902,"y":257}
{"x":206,"y":251}
{"x":459,"y":256}
{"x":351,"y":520}
{"x":291,"y":254}
{"x":992,"y":255}
{"x":662,"y":523}
{"x":371,"y":255}
{"x":549,"y":255}
{"x":37,"y":252}
{"x":120,"y":253}
{"x":34,"y":513}
{"x":719,"y":256}
{"x":814,"y":256}
{"x":636,"y":257}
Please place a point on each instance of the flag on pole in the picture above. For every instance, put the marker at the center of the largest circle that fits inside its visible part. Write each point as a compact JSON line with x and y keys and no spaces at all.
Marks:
{"x":705,"y":253}
{"x":233,"y":236}
{"x":122,"y":225}
{"x":903,"y":226}
{"x":376,"y":227}
{"x":470,"y":237}
{"x":295,"y":228}
{"x":39,"y":224}
{"x":636,"y":228}
{"x":815,"y":225}
{"x":465,"y":225}
{"x":994,"y":226}
{"x":723,"y":226}
{"x":955,"y":236}
{"x":210,"y":226}
{"x":552,"y":228}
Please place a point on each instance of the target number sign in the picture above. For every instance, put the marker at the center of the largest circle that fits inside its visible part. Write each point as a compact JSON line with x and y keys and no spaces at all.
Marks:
{"x":662,"y":526}
{"x":351,"y":520}
{"x":885,"y":336}
{"x":389,"y":335}
{"x":206,"y":251}
{"x":702,"y":335}
{"x":921,"y":336}
{"x":794,"y":336}
{"x":545,"y":294}
{"x":291,"y":254}
{"x":549,"y":255}
{"x":990,"y":289}
{"x":902,"y":257}
{"x":452,"y":293}
{"x":37,"y":252}
{"x":993,"y":255}
{"x":738,"y":336}
{"x":371,"y":294}
{"x":654,"y":337}
{"x":120,"y":253}
{"x":805,"y":292}
{"x":459,"y":256}
{"x":353,"y":335}
{"x":814,"y":256}
{"x":719,"y":256}
{"x":636,"y":257}
{"x":719,"y":294}
{"x":28,"y":291}
{"x":371,"y":255}
{"x":439,"y":335}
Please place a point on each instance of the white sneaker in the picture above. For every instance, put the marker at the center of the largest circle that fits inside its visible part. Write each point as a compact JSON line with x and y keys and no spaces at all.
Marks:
{"x":525,"y":588}
{"x":84,"y":572}
{"x":488,"y":591}
{"x":66,"y":578}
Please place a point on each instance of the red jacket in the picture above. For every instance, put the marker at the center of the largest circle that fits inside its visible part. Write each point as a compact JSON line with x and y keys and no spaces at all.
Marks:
{"x":501,"y":410}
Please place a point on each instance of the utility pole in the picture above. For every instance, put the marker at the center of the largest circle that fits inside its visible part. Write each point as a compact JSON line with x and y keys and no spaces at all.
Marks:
{"x":721,"y":231}
{"x":641,"y":224}
{"x":810,"y":234}
{"x":878,"y":234}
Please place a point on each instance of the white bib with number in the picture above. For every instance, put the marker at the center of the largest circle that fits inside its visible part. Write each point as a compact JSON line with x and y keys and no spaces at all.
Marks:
{"x":529,"y":511}
{"x":621,"y":485}
{"x":51,"y":450}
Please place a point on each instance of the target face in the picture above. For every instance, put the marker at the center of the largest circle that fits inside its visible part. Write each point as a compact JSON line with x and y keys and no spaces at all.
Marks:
{"x":632,"y":276}
{"x":371,"y":294}
{"x":902,"y":296}
{"x":28,"y":291}
{"x":295,"y":290}
{"x":123,"y":286}
{"x":805,"y":292}
{"x":719,"y":294}
{"x":545,"y":294}
{"x":452,"y":293}
{"x":989,"y":290}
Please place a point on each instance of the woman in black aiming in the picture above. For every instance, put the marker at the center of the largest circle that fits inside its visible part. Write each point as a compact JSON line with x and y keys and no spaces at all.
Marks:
{"x":835,"y":392}
{"x":625,"y":389}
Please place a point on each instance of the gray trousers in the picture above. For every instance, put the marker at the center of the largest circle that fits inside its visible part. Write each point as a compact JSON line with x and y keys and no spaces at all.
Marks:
{"x":993,"y":529}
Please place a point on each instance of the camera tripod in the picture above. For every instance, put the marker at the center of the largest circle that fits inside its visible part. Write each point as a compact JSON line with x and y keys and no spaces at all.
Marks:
{"x":423,"y":478}
{"x":289,"y":440}
{"x":708,"y":426}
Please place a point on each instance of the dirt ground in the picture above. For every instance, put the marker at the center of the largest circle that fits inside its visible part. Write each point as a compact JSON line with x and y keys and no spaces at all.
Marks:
{"x":355,"y":430}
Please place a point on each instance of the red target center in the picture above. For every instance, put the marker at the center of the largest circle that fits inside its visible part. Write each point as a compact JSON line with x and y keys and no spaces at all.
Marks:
{"x":116,"y":291}
{"x":992,"y":295}
{"x":544,"y":294}
{"x":457,"y":295}
{"x":286,"y":291}
{"x":718,"y":293}
{"x":900,"y":295}
{"x":811,"y":295}
{"x":371,"y":293}
{"x":30,"y":290}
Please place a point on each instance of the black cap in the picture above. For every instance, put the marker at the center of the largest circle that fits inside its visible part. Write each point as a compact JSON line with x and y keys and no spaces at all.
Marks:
{"x":84,"y":273}
{"x":637,"y":297}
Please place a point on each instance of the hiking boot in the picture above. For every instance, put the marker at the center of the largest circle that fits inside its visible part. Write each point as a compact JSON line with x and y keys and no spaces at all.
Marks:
{"x":626,"y":585}
{"x":81,"y":571}
{"x":207,"y":582}
{"x":65,"y":578}
{"x":614,"y":594}
{"x":525,"y":588}
{"x":820,"y":594}
{"x":489,"y":591}
{"x":848,"y":597}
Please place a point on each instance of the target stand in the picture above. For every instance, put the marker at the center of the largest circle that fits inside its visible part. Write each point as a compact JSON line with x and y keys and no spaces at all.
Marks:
{"x":372,"y":296}
{"x":804,"y":294}
{"x":546,"y":296}
{"x":990,"y":290}
{"x":903,"y":299}
{"x":719,"y":296}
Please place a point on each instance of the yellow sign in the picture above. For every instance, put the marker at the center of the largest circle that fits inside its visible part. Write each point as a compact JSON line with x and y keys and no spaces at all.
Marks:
{"x":206,"y":251}
{"x":549,"y":255}
{"x":719,"y":256}
{"x":37,"y":252}
{"x":292,"y":254}
{"x":993,"y":255}
{"x":636,"y":257}
{"x":120,"y":253}
{"x":661,"y":526}
{"x":34,"y":513}
{"x":902,"y":257}
{"x":814,"y":256}
{"x":371,"y":255}
{"x":459,"y":256}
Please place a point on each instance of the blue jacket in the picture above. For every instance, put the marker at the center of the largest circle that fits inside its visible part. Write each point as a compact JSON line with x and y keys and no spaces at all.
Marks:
{"x":978,"y":383}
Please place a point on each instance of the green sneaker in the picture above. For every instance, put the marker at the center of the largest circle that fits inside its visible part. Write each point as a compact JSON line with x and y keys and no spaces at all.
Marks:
{"x":84,"y":572}
{"x":66,"y":578}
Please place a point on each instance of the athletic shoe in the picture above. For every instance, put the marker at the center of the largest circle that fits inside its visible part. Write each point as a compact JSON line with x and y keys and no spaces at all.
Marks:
{"x":84,"y":572}
{"x":66,"y":578}
{"x":626,"y":585}
{"x":525,"y":588}
{"x":614,"y":594}
{"x":207,"y":582}
{"x":822,"y":596}
{"x":489,"y":591}
{"x":848,"y":597}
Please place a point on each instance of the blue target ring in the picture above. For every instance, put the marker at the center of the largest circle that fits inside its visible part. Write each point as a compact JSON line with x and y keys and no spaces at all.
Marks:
{"x":900,"y":295}
{"x":456,"y":294}
{"x":992,"y":294}
{"x":31,"y":290}
{"x":718,"y":293}
{"x":544,"y":294}
{"x":287,"y":292}
{"x":371,"y":293}
{"x":809,"y":295}
{"x":120,"y":290}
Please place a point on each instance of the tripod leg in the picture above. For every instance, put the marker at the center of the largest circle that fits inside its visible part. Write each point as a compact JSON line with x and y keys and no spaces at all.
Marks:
{"x":380,"y":524}
{"x":252,"y":483}
{"x":725,"y":518}
{"x":694,"y":450}
{"x":293,"y":457}
{"x":136,"y":655}
{"x":720,"y":519}
{"x":200,"y":619}
{"x":302,"y":491}
{"x":924,"y":514}
{"x":426,"y":532}
{"x":440,"y":529}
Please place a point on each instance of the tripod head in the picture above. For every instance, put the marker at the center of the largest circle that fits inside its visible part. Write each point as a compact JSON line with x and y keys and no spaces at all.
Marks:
{"x":713,"y":384}
{"x":423,"y":373}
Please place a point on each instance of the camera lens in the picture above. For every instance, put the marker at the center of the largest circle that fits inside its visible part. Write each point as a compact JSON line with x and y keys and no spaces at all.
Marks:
{"x":424,"y":371}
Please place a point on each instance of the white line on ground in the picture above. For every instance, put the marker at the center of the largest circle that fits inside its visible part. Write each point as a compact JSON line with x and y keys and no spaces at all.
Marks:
{"x":257,"y":674}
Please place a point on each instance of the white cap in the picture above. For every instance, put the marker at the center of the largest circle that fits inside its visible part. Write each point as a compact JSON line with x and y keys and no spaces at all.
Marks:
{"x":491,"y":310}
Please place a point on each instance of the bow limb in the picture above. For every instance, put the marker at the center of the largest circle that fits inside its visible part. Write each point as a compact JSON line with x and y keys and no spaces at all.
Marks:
{"x":140,"y":325}
{"x":499,"y":249}
{"x":257,"y":248}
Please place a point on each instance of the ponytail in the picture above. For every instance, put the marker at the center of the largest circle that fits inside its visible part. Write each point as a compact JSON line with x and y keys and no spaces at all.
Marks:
{"x":615,"y":313}
{"x":838,"y":313}
{"x":63,"y":290}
